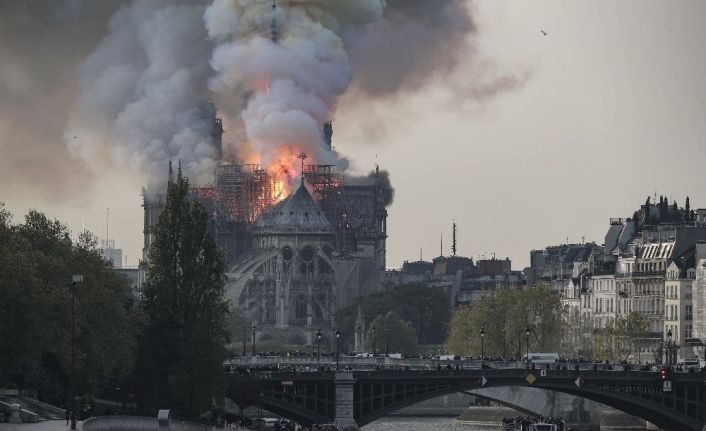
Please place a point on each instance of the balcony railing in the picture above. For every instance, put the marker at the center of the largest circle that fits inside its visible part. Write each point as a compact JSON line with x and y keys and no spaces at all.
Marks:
{"x":648,"y":273}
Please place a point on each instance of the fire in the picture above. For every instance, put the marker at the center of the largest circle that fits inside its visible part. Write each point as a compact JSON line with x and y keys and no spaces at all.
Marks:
{"x":284,"y":172}
{"x":261,"y":84}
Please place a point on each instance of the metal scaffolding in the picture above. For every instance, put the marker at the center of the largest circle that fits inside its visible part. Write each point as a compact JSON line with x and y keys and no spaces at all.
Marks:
{"x":245,"y":192}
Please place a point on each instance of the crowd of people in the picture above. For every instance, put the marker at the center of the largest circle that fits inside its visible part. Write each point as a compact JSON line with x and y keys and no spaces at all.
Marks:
{"x":522,"y":423}
{"x":245,"y":370}
{"x":239,"y":423}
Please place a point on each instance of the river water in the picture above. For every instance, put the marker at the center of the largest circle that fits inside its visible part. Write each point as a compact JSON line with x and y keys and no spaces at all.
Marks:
{"x":396,"y":423}
{"x":393,"y":423}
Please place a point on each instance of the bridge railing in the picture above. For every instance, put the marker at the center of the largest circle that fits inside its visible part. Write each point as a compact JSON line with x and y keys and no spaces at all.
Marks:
{"x":365,"y":362}
{"x":613,"y":375}
{"x":382,"y":362}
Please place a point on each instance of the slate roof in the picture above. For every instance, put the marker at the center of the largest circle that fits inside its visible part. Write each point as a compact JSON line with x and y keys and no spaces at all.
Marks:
{"x":298,"y":212}
{"x":685,"y":261}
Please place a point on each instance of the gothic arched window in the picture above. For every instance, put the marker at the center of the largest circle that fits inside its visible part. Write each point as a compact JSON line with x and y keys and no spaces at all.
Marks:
{"x":300,"y":308}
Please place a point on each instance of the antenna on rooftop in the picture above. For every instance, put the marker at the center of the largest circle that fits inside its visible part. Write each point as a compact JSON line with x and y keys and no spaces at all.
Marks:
{"x":107,"y":225}
{"x":453,"y":244}
{"x":441,"y":249}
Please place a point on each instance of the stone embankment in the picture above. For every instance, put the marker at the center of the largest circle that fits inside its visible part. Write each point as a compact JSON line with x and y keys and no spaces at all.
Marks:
{"x":135,"y":423}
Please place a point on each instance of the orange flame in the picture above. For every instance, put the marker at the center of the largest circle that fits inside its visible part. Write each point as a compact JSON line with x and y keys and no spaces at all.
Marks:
{"x":285,"y":171}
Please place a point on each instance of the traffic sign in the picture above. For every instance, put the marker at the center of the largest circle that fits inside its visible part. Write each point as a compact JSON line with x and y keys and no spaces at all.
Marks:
{"x":483,"y":381}
{"x":531,"y":378}
{"x":543,"y":373}
{"x":578,"y":382}
{"x":667,"y":386}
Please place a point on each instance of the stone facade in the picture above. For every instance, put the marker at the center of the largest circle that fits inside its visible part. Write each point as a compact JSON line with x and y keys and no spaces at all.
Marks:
{"x":296,"y":274}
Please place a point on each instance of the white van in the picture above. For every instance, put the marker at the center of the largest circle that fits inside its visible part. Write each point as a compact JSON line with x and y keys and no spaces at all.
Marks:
{"x":691,"y":364}
{"x":542,"y":358}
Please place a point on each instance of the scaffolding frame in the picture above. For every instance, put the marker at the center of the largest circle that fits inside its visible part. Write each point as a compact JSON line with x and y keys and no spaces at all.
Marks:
{"x":246,"y":191}
{"x":326,"y":184}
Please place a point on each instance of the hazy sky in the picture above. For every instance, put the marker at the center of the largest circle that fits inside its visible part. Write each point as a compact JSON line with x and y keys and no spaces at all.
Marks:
{"x":608,"y":108}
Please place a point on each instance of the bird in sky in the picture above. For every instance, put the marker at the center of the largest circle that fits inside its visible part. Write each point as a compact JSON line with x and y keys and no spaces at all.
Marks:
{"x":544,"y":33}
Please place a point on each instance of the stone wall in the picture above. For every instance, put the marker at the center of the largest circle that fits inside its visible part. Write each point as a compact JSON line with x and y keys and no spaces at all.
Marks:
{"x":137,"y":423}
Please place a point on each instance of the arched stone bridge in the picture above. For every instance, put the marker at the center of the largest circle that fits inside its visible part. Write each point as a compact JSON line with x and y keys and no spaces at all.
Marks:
{"x":354,"y":399}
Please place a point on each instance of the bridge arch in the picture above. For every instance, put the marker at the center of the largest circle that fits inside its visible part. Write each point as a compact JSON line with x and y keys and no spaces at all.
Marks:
{"x":312,"y":397}
{"x":641,"y":397}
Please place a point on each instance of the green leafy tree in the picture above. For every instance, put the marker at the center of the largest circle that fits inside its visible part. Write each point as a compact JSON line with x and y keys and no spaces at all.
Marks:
{"x":618,"y":339}
{"x":426,"y":307}
{"x":505,"y":315}
{"x":577,"y":334}
{"x":183,"y":345}
{"x":239,"y":329}
{"x":37,"y":260}
{"x":390,"y":328}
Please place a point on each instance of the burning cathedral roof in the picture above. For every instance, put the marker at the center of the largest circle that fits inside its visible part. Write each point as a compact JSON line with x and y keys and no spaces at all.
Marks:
{"x":297,"y":213}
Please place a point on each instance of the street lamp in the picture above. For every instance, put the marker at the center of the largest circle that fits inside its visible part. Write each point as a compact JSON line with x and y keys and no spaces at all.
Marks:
{"x":387,"y":341}
{"x":504,"y":343}
{"x":253,"y":340}
{"x":374,"y":330}
{"x":359,"y":338}
{"x":669,"y":347}
{"x":338,"y":335}
{"x":482,"y":348}
{"x":527,"y":332}
{"x":75,"y":280}
{"x":245,"y":340}
{"x":318,"y":343}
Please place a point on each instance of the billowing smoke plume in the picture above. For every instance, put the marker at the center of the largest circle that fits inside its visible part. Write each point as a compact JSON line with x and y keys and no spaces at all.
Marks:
{"x":292,"y":62}
{"x":143,"y":92}
{"x":124,"y":81}
{"x":381,"y":178}
{"x":418,"y":41}
{"x":41,"y":42}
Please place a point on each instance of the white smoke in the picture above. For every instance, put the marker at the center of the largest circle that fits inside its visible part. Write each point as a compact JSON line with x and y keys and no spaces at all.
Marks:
{"x":142,"y":93}
{"x":291,"y":86}
{"x":142,"y":90}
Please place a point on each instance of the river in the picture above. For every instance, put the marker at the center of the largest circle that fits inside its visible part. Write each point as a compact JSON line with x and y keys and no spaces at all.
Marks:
{"x":392,"y":423}
{"x":396,"y":423}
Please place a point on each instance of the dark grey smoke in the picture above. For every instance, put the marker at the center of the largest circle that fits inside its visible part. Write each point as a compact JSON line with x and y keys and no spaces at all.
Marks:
{"x":41,"y":42}
{"x":420,"y":40}
{"x":383,"y":177}
{"x":143,"y":90}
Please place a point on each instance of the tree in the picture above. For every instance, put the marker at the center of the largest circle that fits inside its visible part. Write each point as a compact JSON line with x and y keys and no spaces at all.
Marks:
{"x":390,"y":328}
{"x":37,"y":260}
{"x":577,"y":333}
{"x":183,"y":344}
{"x":633,"y":328}
{"x":619,"y":338}
{"x":505,"y":315}
{"x":238,"y":329}
{"x":426,"y":307}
